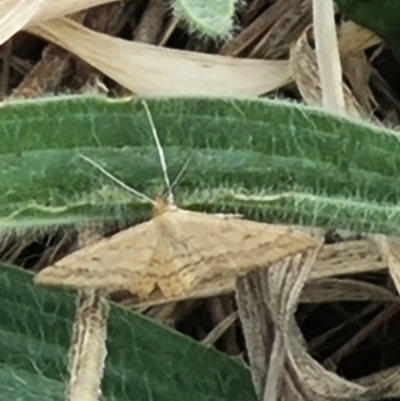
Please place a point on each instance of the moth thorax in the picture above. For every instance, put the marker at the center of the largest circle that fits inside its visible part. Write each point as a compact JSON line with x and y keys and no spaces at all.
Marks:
{"x":162,"y":205}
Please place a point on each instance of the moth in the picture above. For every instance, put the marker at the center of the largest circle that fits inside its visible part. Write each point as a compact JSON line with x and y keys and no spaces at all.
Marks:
{"x":175,"y":251}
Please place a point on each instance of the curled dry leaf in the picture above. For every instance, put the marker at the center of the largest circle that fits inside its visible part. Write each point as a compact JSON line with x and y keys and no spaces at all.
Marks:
{"x":276,"y":292}
{"x":157,"y":71}
{"x":265,"y":299}
{"x":305,"y":72}
{"x":354,"y":38}
{"x":357,"y":69}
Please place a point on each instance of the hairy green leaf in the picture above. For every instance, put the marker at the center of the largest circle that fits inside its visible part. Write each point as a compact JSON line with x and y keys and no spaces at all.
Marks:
{"x":146,"y":361}
{"x":334,"y":171}
{"x":213,"y":18}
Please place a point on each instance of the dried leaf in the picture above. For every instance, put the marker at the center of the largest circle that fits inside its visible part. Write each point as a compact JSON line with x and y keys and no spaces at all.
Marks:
{"x":157,"y":71}
{"x":265,"y":300}
{"x":305,"y":72}
{"x":15,"y":15}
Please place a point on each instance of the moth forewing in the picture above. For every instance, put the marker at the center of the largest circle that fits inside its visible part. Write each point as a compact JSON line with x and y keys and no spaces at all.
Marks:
{"x":173,"y":253}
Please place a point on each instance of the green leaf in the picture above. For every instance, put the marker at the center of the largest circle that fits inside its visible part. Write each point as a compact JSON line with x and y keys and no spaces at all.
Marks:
{"x":379,"y":16}
{"x":145,"y":361}
{"x":340,"y":172}
{"x":213,"y":18}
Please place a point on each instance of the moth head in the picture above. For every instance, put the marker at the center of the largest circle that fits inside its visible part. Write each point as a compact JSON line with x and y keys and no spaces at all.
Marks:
{"x":163,"y":205}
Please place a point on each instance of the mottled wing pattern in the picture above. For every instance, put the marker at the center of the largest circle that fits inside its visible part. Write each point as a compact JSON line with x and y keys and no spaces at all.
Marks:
{"x":113,"y":264}
{"x":196,"y":247}
{"x":173,"y":253}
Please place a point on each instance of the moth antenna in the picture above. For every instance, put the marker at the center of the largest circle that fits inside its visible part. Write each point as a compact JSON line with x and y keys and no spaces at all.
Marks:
{"x":116,"y":180}
{"x":161,"y":154}
{"x":182,"y":171}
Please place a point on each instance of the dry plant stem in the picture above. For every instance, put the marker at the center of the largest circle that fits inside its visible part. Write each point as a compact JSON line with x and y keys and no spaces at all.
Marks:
{"x":220,"y":309}
{"x":267,"y":301}
{"x":274,"y":376}
{"x":260,"y":25}
{"x":252,"y":9}
{"x":326,"y":44}
{"x":5,"y":73}
{"x":151,"y":23}
{"x":88,"y":351}
{"x":366,"y":331}
{"x":218,"y":331}
{"x":257,"y":327}
{"x":286,"y":30}
{"x":169,"y":30}
{"x":328,"y":335}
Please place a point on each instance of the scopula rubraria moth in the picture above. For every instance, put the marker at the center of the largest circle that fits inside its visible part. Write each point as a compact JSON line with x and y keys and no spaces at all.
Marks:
{"x":174,"y":251}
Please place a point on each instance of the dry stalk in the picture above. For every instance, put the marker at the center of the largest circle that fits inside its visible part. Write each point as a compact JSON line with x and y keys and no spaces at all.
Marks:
{"x":88,"y":345}
{"x":327,"y":50}
{"x":88,"y":351}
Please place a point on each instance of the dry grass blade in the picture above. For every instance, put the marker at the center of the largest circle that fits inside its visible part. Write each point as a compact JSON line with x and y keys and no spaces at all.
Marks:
{"x":326,"y":46}
{"x":156,"y":71}
{"x":15,"y":15}
{"x":214,"y":335}
{"x":88,"y":351}
{"x":364,"y":333}
{"x":18,"y":14}
{"x":286,"y":30}
{"x":258,"y":330}
{"x":260,"y":25}
{"x":345,"y":290}
{"x":150,"y":27}
{"x":56,"y":8}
